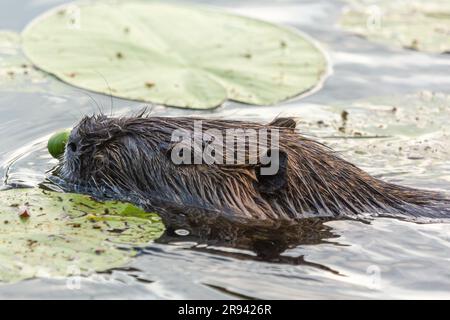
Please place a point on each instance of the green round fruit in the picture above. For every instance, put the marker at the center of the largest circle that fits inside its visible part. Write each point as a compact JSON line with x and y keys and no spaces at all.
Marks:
{"x":57,"y":143}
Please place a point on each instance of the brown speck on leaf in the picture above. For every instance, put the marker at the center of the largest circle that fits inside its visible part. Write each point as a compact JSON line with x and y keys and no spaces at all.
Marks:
{"x":24,"y":66}
{"x":413,"y":46}
{"x":126,"y":30}
{"x":6,"y":222}
{"x":31,"y":243}
{"x":412,"y":157}
{"x":119,"y":55}
{"x":344,"y":116}
{"x":283,"y":44}
{"x":394,"y":110}
{"x":116,"y":230}
{"x":96,"y":226}
{"x":24,"y":214}
{"x":14,"y":205}
{"x":106,"y":211}
{"x":99,"y":251}
{"x":10,"y":73}
{"x":149,"y":84}
{"x":62,"y":12}
{"x":71,"y":75}
{"x":247,"y":56}
{"x":342,"y":129}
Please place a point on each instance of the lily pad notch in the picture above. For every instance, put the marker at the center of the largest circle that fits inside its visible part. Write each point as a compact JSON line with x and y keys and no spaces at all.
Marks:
{"x":176,"y":55}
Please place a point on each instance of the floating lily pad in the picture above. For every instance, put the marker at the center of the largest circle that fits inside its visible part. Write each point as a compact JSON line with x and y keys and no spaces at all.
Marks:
{"x":173,"y":54}
{"x":417,"y":25}
{"x":15,"y":68}
{"x":53,"y":234}
{"x":9,"y":42}
{"x":400,"y":138}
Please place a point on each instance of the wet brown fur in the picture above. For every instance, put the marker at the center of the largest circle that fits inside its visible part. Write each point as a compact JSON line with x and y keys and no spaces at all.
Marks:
{"x":128,"y":158}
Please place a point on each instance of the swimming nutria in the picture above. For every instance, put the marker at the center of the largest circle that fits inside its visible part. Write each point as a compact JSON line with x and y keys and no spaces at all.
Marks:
{"x":129,"y":158}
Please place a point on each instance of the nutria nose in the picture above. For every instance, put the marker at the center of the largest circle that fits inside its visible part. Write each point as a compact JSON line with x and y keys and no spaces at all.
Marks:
{"x":72,"y":146}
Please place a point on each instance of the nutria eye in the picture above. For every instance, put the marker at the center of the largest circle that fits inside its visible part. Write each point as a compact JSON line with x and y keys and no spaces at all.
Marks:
{"x":72,"y":146}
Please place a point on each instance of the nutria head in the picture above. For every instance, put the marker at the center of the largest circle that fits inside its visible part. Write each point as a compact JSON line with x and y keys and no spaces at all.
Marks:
{"x":135,"y":159}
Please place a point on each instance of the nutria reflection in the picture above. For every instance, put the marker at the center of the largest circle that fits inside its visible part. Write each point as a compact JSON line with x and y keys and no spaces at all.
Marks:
{"x":268,"y":241}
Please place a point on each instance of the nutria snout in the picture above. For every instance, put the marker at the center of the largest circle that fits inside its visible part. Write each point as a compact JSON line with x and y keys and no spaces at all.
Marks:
{"x":135,"y":159}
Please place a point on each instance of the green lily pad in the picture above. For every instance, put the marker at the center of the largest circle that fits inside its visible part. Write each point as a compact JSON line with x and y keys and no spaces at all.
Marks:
{"x":417,"y":25}
{"x":15,"y":69}
{"x":53,"y":234}
{"x":176,"y":55}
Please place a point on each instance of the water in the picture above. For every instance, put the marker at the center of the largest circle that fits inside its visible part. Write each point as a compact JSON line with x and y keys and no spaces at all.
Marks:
{"x":399,"y":106}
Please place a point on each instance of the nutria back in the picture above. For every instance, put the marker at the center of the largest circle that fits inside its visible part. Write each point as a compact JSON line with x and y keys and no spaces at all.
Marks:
{"x":151,"y":161}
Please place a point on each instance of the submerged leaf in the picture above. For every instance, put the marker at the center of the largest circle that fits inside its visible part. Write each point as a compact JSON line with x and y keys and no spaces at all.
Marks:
{"x":173,"y":54}
{"x":65,"y":234}
{"x":416,"y":25}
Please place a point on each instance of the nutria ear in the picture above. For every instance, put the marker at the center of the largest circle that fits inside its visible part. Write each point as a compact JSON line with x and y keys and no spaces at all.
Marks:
{"x":284,"y":122}
{"x":271,"y":183}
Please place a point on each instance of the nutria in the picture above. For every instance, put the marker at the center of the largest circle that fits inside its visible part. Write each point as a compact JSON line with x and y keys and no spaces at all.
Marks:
{"x":129,"y":158}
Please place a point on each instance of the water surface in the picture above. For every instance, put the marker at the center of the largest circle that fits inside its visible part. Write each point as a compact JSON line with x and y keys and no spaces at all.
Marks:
{"x":397,"y":129}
